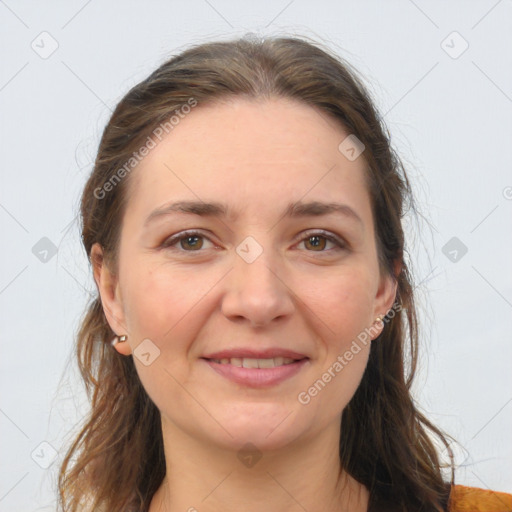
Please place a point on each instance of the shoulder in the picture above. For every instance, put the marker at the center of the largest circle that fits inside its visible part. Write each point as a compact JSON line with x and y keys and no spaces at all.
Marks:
{"x":474,"y":499}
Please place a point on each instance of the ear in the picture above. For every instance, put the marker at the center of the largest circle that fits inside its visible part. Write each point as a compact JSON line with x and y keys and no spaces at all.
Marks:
{"x":111,"y":300}
{"x":386,"y":295}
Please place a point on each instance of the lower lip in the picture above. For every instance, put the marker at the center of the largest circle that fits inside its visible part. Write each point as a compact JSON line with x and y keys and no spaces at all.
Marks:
{"x":257,"y":377}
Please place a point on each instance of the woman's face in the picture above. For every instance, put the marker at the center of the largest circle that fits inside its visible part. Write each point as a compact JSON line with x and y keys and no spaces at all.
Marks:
{"x":256,"y":280}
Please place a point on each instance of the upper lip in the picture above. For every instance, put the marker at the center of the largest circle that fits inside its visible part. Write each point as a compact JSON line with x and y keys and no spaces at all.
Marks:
{"x":251,"y":353}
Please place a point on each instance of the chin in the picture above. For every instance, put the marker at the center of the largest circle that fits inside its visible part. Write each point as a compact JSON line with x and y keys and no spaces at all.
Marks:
{"x":267,"y":426}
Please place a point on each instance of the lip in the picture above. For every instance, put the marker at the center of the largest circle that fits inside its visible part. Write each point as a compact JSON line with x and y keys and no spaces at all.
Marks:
{"x":250,"y":353}
{"x":256,"y":377}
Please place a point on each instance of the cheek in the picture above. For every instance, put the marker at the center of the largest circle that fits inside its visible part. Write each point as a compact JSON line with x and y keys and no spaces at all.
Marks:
{"x":344,"y":357}
{"x":151,"y":302}
{"x":158,"y":298}
{"x":168,"y":306}
{"x":162,"y":304}
{"x":343,"y":304}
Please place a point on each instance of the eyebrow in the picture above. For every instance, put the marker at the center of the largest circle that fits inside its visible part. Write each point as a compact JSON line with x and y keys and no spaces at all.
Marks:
{"x":293,"y":210}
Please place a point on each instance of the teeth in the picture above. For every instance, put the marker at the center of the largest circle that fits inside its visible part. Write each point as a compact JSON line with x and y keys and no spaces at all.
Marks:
{"x":247,"y":362}
{"x":267,"y":363}
{"x":250,"y":363}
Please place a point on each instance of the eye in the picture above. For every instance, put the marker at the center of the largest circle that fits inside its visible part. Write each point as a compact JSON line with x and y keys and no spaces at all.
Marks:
{"x":319,"y":239}
{"x":193,"y":241}
{"x":186,"y":239}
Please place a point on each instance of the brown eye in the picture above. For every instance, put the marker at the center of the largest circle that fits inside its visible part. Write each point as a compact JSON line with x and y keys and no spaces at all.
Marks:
{"x":189,"y":241}
{"x":193,"y":241}
{"x":317,"y":242}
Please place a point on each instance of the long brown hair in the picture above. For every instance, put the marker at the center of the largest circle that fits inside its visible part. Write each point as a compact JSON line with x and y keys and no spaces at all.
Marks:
{"x":117,"y":461}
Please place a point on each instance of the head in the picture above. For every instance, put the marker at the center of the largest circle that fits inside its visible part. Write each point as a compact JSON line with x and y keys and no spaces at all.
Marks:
{"x":262,"y":137}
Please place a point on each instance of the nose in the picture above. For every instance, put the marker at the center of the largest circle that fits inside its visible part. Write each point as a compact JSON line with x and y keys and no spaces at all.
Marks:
{"x":257,"y":292}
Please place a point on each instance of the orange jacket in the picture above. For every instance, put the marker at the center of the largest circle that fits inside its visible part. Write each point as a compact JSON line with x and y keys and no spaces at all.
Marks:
{"x":461,"y":499}
{"x":473,"y":499}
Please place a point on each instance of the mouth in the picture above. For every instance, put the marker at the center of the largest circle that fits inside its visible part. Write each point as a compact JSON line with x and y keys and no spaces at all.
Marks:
{"x":249,"y":362}
{"x":257,"y":372}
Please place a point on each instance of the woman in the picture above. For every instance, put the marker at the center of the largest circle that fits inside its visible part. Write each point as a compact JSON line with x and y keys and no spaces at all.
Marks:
{"x":243,"y":222}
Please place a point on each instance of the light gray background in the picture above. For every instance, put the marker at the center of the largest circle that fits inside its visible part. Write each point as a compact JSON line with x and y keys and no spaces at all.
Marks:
{"x":450,"y":120}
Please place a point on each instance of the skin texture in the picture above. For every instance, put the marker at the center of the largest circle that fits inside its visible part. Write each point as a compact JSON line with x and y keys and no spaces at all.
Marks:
{"x":257,"y":157}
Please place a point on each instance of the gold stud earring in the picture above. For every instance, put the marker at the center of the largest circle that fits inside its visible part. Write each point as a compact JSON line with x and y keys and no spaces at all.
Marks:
{"x":118,"y":339}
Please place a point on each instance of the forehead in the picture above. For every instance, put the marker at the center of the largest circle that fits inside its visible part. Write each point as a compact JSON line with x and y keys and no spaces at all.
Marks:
{"x":249,"y":152}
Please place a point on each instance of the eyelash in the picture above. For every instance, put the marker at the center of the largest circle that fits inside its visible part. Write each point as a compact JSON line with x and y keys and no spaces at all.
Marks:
{"x":175,"y":239}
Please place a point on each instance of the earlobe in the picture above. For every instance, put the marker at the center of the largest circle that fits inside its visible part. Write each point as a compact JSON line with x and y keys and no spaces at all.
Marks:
{"x":120,"y":343}
{"x":108,"y":289}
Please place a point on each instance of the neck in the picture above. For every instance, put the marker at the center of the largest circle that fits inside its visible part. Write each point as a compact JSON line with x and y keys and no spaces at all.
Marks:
{"x":301,"y":476}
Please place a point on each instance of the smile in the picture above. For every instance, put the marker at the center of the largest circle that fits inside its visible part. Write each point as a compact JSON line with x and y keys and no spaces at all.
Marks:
{"x":247,"y":362}
{"x":257,"y":372}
